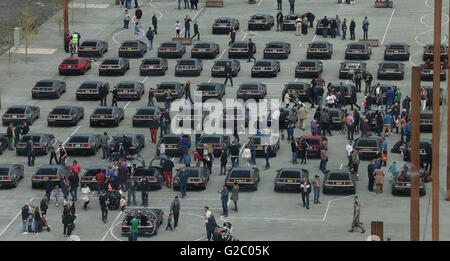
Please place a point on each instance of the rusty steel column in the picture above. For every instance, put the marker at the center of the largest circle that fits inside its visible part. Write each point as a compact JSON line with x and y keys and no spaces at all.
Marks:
{"x":415,"y":153}
{"x":66,"y":15}
{"x":436,"y":93}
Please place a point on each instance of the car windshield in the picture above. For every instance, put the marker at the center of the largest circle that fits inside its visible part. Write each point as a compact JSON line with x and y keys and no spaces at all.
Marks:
{"x":426,"y":116}
{"x":210,"y":140}
{"x":221,"y":63}
{"x":275,"y":45}
{"x":351,"y":65}
{"x":202,"y":45}
{"x":390,"y":66}
{"x":44,"y":84}
{"x":312,"y":141}
{"x":367,"y":143}
{"x":79,"y":139}
{"x":396,"y":47}
{"x":125,"y":86}
{"x":89,"y":44}
{"x":186,"y":62}
{"x":145,"y":112}
{"x":4,"y":171}
{"x":111,"y":62}
{"x":296,"y":86}
{"x":70,"y":61}
{"x":93,"y":172}
{"x":47,"y":172}
{"x":207,"y":87}
{"x":88,"y":86}
{"x":357,"y":47}
{"x":144,"y":172}
{"x":36,"y":139}
{"x":258,"y":17}
{"x":307,"y":64}
{"x":249,"y":86}
{"x":103,"y":111}
{"x":120,"y":139}
{"x":263,"y":63}
{"x":334,"y":113}
{"x":130,"y":44}
{"x":239,"y":45}
{"x":223,"y":20}
{"x":318,"y":45}
{"x":338,"y":176}
{"x":240,"y":174}
{"x":171,"y":140}
{"x":61,"y":111}
{"x":290,"y":174}
{"x":165,"y":86}
{"x":15,"y":111}
{"x":171,"y":45}
{"x":149,"y":62}
{"x":193,"y":173}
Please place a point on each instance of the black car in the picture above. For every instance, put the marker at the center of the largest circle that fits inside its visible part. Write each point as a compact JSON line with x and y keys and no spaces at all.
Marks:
{"x":251,"y":90}
{"x":154,"y":176}
{"x":211,"y":90}
{"x":92,"y":48}
{"x":391,"y":70}
{"x":336,"y":118}
{"x":277,"y":50}
{"x":319,"y":26}
{"x":261,"y":140}
{"x":130,"y":90}
{"x":83,"y":144}
{"x":314,"y":144}
{"x":404,"y":187}
{"x":114,"y":66}
{"x":356,"y":50}
{"x":150,"y":219}
{"x":428,"y":52}
{"x":4,"y":142}
{"x":369,"y":147}
{"x":223,"y":25}
{"x":245,"y":177}
{"x":190,"y":116}
{"x":216,"y":142}
{"x":48,"y":88}
{"x":171,"y":50}
{"x":235,"y":116}
{"x":205,"y":50}
{"x":10,"y":174}
{"x":153,"y":66}
{"x":136,"y":141}
{"x":319,"y":50}
{"x":46,"y":173}
{"x":397,"y":51}
{"x":197,"y":178}
{"x":41,"y":143}
{"x":289,"y":178}
{"x":105,"y":115}
{"x":424,"y":143}
{"x":348,"y":68}
{"x":266,"y":67}
{"x":426,"y":72}
{"x":426,"y":120}
{"x":239,"y":50}
{"x":89,"y":90}
{"x":146,"y":115}
{"x":172,"y":143}
{"x":383,"y":89}
{"x":176,"y":90}
{"x":218,"y":68}
{"x":89,"y":176}
{"x":18,"y":114}
{"x":132,"y":49}
{"x":296,"y":88}
{"x":188,"y":67}
{"x":345,"y":89}
{"x":308,"y":69}
{"x":65,"y":115}
{"x":261,"y":21}
{"x":289,"y":21}
{"x":339,"y":181}
{"x":286,"y":113}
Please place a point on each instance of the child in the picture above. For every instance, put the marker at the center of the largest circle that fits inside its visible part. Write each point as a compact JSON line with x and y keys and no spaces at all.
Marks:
{"x":169,"y":222}
{"x":122,"y":203}
{"x":57,"y":193}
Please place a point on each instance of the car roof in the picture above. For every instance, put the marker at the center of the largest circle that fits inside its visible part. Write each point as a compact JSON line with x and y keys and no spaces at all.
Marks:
{"x":171,"y":42}
{"x":169,"y":83}
{"x":82,"y":134}
{"x":368,"y":138}
{"x":36,"y":134}
{"x":211,"y":83}
{"x":308,"y":60}
{"x":106,"y":107}
{"x":204,"y":42}
{"x":8,"y":165}
{"x":321,"y":42}
{"x":112,"y":58}
{"x":73,"y":58}
{"x":46,"y":166}
{"x":90,"y":40}
{"x":297,"y":83}
{"x":20,"y":106}
{"x":392,"y":62}
{"x":65,"y":107}
{"x":128,"y":134}
{"x":338,"y":171}
{"x":48,"y":80}
{"x":153,"y":59}
{"x":97,"y":82}
{"x":357,"y":43}
{"x":276,"y":42}
{"x":127,"y":82}
{"x":241,"y":168}
{"x":310,"y":137}
{"x":97,"y":167}
{"x":291,"y":169}
{"x":398,"y":43}
{"x":353,"y":61}
{"x":264,"y":60}
{"x":213,"y":135}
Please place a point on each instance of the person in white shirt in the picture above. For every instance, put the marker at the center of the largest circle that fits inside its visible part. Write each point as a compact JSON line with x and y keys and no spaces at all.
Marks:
{"x":246,"y":155}
{"x":177,"y":28}
{"x":349,"y":149}
{"x":298,"y":26}
{"x":162,"y":149}
{"x":378,"y":89}
{"x":206,"y":216}
{"x":330,"y":100}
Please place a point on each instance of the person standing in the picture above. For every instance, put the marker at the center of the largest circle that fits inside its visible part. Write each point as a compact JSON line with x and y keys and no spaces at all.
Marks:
{"x":10,"y":135}
{"x":246,"y":155}
{"x":251,"y":48}
{"x":348,"y":150}
{"x":155,"y":23}
{"x":67,"y":41}
{"x":253,"y":153}
{"x":103,"y":93}
{"x":175,"y":207}
{"x":187,"y":92}
{"x":206,"y":217}
{"x":17,"y":135}
{"x":352,"y":29}
{"x":323,"y":159}
{"x":279,"y":5}
{"x":228,"y":74}
{"x":131,"y":187}
{"x":150,"y":37}
{"x":145,"y":188}
{"x":325,"y":24}
{"x":365,"y":27}
{"x":333,"y":28}
{"x":134,"y":228}
{"x":379,"y":179}
{"x":305,"y":188}
{"x":298,"y":26}
{"x":234,"y":154}
{"x":167,"y":169}
{"x":316,"y":186}
{"x":294,"y":149}
{"x":355,"y":161}
{"x":370,"y":173}
{"x":267,"y":153}
{"x":126,"y":20}
{"x":24,"y":213}
{"x":73,"y":181}
{"x":24,"y":129}
{"x":30,"y":152}
{"x":138,"y":13}
{"x":302,"y":115}
{"x":186,"y":4}
{"x":177,"y":28}
{"x":99,"y":177}
{"x":86,"y":195}
{"x":350,"y":126}
{"x":104,"y":143}
{"x":137,"y":31}
{"x":196,"y":31}
{"x":304,"y":25}
{"x":338,"y":25}
{"x":53,"y":151}
{"x":235,"y":196}
{"x":291,"y":6}
{"x":232,"y":35}
{"x":224,"y":198}
{"x":368,"y":78}
{"x":279,"y":20}
{"x":304,"y":146}
{"x":357,"y":78}
{"x":223,"y":163}
{"x":103,"y":200}
{"x":183,"y":177}
{"x":187,"y":26}
{"x":356,"y":214}
{"x":114,"y":97}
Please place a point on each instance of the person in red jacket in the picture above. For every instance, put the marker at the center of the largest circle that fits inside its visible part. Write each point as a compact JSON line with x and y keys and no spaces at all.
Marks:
{"x":10,"y":135}
{"x":66,"y":41}
{"x":76,"y":168}
{"x":99,"y":177}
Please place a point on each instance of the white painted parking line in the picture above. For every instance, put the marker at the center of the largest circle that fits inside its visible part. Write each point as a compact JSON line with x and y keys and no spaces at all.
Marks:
{"x":35,"y":50}
{"x":260,"y":2}
{"x":329,"y":203}
{"x":126,"y":105}
{"x":12,"y":221}
{"x":71,"y":134}
{"x":111,"y":227}
{"x":387,"y":27}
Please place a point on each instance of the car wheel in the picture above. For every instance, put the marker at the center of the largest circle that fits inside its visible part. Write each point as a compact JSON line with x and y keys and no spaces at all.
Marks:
{"x":255,"y":188}
{"x":122,"y":72}
{"x":276,"y":189}
{"x":33,"y":96}
{"x":14,"y":183}
{"x":83,"y":71}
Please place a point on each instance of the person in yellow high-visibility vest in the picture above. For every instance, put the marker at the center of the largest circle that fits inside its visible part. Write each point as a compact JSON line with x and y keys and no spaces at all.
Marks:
{"x":75,"y":38}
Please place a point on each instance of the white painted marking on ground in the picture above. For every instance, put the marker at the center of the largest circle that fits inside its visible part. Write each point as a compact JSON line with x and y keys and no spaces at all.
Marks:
{"x":35,"y":50}
{"x":210,"y":79}
{"x":314,"y":38}
{"x":260,"y":2}
{"x":111,"y":227}
{"x":111,"y":231}
{"x":12,"y":221}
{"x":146,"y":77}
{"x":71,"y":134}
{"x":126,"y":105}
{"x":82,"y":5}
{"x":340,"y":167}
{"x":329,"y":203}
{"x":387,"y":27}
{"x":223,"y":52}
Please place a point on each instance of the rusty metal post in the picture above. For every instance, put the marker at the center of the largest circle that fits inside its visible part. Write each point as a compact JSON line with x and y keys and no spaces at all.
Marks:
{"x":415,"y":153}
{"x":436,"y":93}
{"x":66,"y":15}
